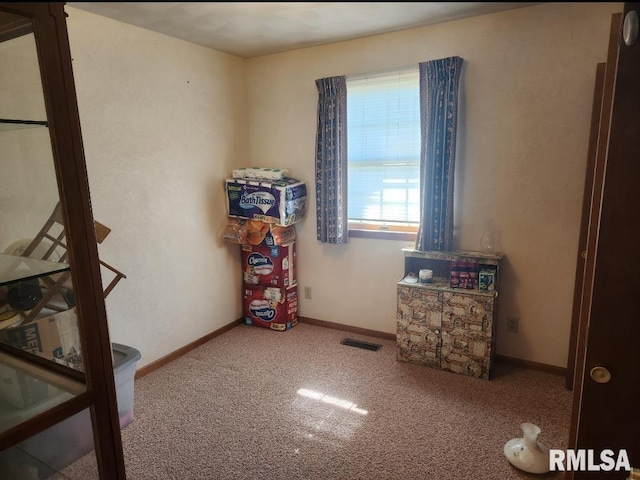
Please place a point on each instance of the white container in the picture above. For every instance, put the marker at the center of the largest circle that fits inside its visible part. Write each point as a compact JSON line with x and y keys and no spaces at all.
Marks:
{"x":66,"y":442}
{"x":425,"y":275}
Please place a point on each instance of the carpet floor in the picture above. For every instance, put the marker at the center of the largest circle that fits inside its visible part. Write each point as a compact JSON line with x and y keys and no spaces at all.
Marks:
{"x":259,"y":404}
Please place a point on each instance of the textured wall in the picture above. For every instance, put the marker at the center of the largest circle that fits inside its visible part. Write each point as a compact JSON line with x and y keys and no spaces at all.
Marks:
{"x":525,"y":111}
{"x":163,"y":122}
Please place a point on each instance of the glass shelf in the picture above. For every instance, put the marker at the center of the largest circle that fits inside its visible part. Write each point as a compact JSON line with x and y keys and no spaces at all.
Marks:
{"x":14,"y":268}
{"x":7,"y":124}
{"x":29,"y":390}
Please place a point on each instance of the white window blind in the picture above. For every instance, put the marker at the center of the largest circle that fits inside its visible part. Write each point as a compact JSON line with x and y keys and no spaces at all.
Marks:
{"x":383,"y":140}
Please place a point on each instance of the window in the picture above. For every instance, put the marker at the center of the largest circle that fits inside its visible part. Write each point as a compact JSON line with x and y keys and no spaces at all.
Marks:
{"x":383,"y":145}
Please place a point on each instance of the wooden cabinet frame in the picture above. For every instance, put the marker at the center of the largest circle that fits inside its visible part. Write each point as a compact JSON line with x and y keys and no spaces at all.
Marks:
{"x":52,"y":44}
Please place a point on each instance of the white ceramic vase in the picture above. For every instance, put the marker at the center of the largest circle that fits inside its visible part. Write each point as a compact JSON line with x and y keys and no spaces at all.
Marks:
{"x":527,"y":453}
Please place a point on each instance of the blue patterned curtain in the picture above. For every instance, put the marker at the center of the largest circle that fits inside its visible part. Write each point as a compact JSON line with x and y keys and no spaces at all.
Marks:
{"x":439,"y":81}
{"x":331,"y":160}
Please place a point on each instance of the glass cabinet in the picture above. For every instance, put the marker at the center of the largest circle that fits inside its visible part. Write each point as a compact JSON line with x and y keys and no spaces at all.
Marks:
{"x":55,"y":352}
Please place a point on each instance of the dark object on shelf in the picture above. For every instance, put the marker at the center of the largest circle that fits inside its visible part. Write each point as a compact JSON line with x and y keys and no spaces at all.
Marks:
{"x":24,"y":295}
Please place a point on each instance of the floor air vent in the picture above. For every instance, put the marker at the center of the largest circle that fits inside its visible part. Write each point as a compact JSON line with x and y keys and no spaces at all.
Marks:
{"x":360,"y":344}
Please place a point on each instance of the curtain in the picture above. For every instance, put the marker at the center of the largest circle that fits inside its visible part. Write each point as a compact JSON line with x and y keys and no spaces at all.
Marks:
{"x":331,"y":160}
{"x":439,"y":82}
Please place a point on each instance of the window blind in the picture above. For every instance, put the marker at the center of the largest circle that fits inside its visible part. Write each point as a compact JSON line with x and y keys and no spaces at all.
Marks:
{"x":383,"y":147}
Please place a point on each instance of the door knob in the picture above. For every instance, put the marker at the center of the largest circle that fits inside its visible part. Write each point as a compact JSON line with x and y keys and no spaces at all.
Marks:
{"x":600,"y":374}
{"x":630,"y":28}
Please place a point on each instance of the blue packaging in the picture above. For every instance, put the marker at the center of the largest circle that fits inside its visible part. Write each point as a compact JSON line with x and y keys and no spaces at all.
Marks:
{"x":282,"y":202}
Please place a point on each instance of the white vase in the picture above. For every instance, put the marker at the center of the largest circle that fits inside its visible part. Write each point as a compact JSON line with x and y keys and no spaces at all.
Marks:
{"x":527,"y":453}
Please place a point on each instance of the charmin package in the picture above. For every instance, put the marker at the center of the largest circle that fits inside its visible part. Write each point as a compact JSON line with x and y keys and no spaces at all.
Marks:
{"x":269,"y":266}
{"x":282,"y":202}
{"x":261,"y":173}
{"x":270,"y":307}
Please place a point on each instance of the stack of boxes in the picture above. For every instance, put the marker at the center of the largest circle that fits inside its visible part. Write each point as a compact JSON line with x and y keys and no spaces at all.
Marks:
{"x":263,"y":205}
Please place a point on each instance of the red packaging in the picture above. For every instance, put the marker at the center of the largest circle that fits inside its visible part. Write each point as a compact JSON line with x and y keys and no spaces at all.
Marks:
{"x":269,"y":266}
{"x":270,"y":307}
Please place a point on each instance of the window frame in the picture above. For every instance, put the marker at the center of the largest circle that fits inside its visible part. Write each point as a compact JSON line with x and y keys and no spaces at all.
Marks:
{"x":383,"y":230}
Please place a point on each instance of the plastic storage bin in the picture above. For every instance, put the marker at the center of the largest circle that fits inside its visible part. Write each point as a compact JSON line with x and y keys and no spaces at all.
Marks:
{"x":71,"y":439}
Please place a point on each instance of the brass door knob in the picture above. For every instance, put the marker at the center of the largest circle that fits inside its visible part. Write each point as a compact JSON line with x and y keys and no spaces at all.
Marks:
{"x":600,"y":374}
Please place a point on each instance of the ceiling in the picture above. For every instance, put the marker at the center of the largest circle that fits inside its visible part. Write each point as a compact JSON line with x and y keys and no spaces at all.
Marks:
{"x":252,"y":29}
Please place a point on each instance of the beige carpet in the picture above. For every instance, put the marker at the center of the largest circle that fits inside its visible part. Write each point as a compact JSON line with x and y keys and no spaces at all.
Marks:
{"x":259,"y":404}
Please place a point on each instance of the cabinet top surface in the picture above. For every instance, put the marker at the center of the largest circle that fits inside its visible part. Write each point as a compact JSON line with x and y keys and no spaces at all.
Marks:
{"x":492,"y":257}
{"x":442,"y":285}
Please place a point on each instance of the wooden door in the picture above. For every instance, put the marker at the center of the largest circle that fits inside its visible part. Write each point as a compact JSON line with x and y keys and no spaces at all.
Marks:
{"x":607,"y":415}
{"x":592,"y":184}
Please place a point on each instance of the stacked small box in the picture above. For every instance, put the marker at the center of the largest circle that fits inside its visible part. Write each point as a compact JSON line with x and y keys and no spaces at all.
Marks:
{"x":270,"y":307}
{"x":269,"y":266}
{"x":282,"y":201}
{"x":487,"y":279}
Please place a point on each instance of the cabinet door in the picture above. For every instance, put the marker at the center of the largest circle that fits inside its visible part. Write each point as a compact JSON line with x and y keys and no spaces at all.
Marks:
{"x":467,"y":324}
{"x":419,"y":323}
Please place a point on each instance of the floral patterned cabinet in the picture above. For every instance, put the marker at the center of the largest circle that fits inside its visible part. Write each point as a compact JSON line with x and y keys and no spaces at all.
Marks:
{"x":448,"y":328}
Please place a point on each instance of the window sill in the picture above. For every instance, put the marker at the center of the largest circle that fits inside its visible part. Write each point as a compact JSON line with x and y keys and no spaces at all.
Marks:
{"x":382,"y":235}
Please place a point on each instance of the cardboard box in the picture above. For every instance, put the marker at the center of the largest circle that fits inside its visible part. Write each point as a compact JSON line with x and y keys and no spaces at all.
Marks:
{"x":54,"y":337}
{"x":270,"y":307}
{"x":487,"y":280}
{"x":269,"y":266}
{"x":282,"y":202}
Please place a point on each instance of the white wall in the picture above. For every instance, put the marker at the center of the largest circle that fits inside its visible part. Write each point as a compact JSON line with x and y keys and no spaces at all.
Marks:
{"x":525,"y":111}
{"x":163,"y":123}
